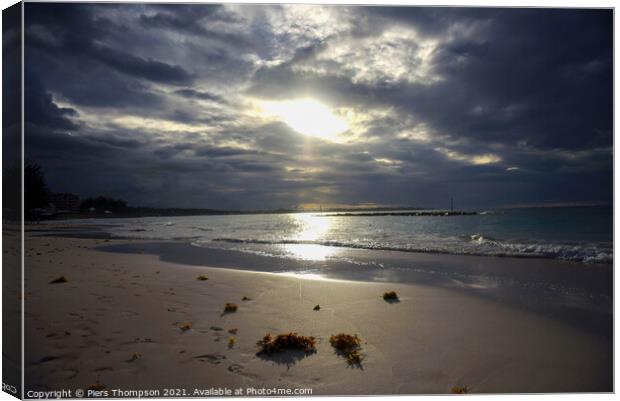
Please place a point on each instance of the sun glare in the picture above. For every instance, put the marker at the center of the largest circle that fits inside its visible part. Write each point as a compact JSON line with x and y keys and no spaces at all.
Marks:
{"x":310,"y":228}
{"x":308,"y":117}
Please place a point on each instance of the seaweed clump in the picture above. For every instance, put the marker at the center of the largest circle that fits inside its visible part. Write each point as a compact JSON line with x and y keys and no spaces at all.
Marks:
{"x":317,"y":307}
{"x":59,"y":280}
{"x":231,"y":341}
{"x":230,"y":308}
{"x":96,"y":387}
{"x":460,"y":390}
{"x":286,"y":342}
{"x":391,"y":296}
{"x":185,"y":326}
{"x":202,"y":277}
{"x":348,"y":346}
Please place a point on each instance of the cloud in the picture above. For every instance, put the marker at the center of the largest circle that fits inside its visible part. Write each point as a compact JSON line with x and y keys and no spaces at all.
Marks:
{"x":158,"y":103}
{"x":40,"y":109}
{"x":195,"y":94}
{"x":152,"y":70}
{"x":476,"y":159}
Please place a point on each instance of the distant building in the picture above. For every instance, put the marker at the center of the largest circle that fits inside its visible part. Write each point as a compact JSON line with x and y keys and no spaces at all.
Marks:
{"x":68,"y":203}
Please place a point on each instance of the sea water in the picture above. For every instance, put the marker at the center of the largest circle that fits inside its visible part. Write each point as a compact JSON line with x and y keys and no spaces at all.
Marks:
{"x":580,"y":234}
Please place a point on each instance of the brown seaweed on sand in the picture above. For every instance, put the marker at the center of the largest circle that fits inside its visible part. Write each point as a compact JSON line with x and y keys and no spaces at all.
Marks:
{"x":230,"y":308}
{"x":460,"y":390}
{"x":348,"y":346}
{"x":391,"y":297}
{"x":97,"y":387}
{"x":286,"y":342}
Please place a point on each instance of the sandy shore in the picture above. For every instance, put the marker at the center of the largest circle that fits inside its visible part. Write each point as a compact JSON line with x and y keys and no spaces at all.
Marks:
{"x":117,"y":322}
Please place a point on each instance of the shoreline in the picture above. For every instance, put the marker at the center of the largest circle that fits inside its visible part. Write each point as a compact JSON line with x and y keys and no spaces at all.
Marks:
{"x":95,"y":231}
{"x":117,"y":304}
{"x":573,"y":292}
{"x":558,"y":289}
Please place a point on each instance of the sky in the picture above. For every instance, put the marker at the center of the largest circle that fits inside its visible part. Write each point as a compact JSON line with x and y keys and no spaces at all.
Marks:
{"x":284,"y":106}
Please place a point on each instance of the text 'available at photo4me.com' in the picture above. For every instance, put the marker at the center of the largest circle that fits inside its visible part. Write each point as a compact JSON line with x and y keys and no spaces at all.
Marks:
{"x":172,"y":392}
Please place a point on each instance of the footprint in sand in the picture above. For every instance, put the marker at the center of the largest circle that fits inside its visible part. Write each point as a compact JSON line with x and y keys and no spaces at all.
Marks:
{"x":69,"y":373}
{"x":217,"y":334}
{"x":235,"y":368}
{"x":47,"y":359}
{"x":214,"y":359}
{"x":239,"y":369}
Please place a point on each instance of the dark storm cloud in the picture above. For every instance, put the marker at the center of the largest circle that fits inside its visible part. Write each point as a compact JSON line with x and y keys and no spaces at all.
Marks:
{"x":194,"y":94}
{"x":156,"y":103}
{"x":40,"y":109}
{"x":193,"y":23}
{"x":530,"y":74}
{"x":152,"y":70}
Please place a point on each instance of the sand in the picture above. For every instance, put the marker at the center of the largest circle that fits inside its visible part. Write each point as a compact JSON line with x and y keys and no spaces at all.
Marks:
{"x":116,"y":322}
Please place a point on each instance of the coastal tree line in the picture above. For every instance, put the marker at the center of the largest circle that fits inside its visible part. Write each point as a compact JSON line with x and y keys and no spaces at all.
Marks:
{"x":37,"y":192}
{"x":37,"y":198}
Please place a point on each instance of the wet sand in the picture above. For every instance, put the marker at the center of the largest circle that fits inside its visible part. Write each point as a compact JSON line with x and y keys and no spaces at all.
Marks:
{"x":117,"y":322}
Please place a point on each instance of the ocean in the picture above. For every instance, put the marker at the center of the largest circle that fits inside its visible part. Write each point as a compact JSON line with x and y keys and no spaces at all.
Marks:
{"x":579,"y":234}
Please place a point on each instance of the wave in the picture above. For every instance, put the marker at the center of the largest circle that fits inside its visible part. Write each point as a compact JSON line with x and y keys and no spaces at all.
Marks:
{"x":480,"y":239}
{"x":201,"y":229}
{"x":477,"y":245}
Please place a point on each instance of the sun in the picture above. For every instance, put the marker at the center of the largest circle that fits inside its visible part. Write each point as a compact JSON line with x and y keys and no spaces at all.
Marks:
{"x":308,"y":117}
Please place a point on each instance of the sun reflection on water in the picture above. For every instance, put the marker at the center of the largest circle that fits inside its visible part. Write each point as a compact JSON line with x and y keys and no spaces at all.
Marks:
{"x":310,"y":228}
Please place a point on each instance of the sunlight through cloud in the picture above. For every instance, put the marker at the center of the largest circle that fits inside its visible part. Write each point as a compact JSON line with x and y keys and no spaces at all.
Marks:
{"x":308,"y":117}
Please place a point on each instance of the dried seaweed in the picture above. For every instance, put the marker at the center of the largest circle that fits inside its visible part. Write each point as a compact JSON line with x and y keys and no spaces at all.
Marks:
{"x":348,"y":346}
{"x":96,"y":387}
{"x":390,"y":296}
{"x":460,"y":390}
{"x":286,"y":342}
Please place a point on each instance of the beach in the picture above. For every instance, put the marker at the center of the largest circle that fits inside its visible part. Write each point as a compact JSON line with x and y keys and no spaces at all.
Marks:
{"x":132,"y":321}
{"x":307,"y":199}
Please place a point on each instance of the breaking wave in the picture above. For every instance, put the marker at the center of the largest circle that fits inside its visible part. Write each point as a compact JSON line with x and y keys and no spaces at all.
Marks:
{"x":475,"y":244}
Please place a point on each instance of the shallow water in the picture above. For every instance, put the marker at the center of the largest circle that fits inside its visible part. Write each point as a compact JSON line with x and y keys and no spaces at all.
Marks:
{"x":582,"y":234}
